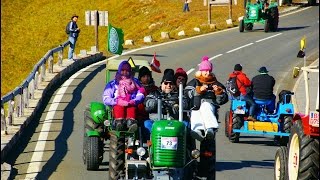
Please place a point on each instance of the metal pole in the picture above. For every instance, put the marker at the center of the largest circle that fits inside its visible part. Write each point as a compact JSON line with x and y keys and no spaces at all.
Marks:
{"x":304,"y":58}
{"x":159,"y":107}
{"x":180,"y":102}
{"x":230,"y":9}
{"x":96,"y":30}
{"x":209,"y":12}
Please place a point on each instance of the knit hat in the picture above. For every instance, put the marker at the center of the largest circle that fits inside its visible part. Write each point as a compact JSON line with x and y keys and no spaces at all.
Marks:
{"x":180,"y":72}
{"x":205,"y":64}
{"x":144,"y":71}
{"x":168,"y":75}
{"x":238,"y":67}
{"x":263,"y":70}
{"x":74,"y":15}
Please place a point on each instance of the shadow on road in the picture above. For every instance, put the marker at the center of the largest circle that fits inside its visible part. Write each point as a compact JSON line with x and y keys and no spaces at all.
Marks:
{"x":281,"y":29}
{"x":61,"y":146}
{"x":232,"y":165}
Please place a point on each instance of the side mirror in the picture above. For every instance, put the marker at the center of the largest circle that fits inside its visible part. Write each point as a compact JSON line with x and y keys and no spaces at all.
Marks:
{"x":295,"y":72}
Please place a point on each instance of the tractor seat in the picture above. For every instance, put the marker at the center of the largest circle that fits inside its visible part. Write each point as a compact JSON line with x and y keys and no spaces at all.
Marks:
{"x":262,"y":101}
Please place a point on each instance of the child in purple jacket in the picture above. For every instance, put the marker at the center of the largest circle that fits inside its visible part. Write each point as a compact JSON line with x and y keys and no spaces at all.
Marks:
{"x":124,"y":93}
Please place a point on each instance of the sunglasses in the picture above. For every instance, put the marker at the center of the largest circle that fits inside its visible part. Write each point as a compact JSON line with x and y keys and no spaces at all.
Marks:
{"x":168,"y":82}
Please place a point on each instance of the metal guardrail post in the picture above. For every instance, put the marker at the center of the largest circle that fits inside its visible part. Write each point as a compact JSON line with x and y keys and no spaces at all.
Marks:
{"x":60,"y":56}
{"x":25,"y":97}
{"x":31,"y":89}
{"x":50,"y":63}
{"x":36,"y":80}
{"x":43,"y":72}
{"x":3,"y":122}
{"x":10,"y":112}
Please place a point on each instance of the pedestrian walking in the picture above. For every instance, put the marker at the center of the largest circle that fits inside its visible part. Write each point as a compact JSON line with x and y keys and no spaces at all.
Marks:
{"x":73,"y":30}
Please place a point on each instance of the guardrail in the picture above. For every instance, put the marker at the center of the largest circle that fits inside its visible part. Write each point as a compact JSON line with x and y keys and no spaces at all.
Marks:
{"x":25,"y":92}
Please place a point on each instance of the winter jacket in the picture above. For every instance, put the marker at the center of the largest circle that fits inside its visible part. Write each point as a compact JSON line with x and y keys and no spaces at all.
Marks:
{"x":262,"y":86}
{"x":110,"y":94}
{"x":192,"y":91}
{"x":151,"y":103}
{"x":73,"y":29}
{"x":142,"y":113}
{"x":243,"y":82}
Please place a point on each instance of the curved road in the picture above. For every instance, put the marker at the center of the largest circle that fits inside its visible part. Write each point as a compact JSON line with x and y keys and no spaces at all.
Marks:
{"x":53,"y":147}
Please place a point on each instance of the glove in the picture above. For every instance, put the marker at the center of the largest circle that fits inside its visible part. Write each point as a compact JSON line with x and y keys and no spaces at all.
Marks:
{"x":132,"y":102}
{"x":175,"y":108}
{"x":122,"y":102}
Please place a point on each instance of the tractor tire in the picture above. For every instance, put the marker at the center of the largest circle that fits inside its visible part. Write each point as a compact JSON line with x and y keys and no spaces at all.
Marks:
{"x":236,"y":124}
{"x":226,"y":123}
{"x":266,"y":25}
{"x":274,"y":19}
{"x":116,"y":157}
{"x":92,"y":152}
{"x":207,"y":164}
{"x":280,"y":163}
{"x":303,"y":156}
{"x":287,"y":123}
{"x":241,"y":25}
{"x":312,"y":2}
{"x":248,"y":27}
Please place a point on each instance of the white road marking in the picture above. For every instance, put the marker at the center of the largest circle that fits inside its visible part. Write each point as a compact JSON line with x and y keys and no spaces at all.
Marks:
{"x":269,"y":37}
{"x":35,"y":163}
{"x":239,"y":47}
{"x":188,"y":72}
{"x":295,"y":11}
{"x":210,"y":59}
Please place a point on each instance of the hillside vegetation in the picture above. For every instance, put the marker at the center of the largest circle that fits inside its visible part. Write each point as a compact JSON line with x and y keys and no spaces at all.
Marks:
{"x":29,"y":28}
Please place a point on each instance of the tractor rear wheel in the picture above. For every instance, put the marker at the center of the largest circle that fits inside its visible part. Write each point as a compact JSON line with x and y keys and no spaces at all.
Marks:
{"x":226,"y":123}
{"x":266,"y":25}
{"x":92,"y":153}
{"x":241,"y":25}
{"x":280,"y":163}
{"x":303,"y":157}
{"x":274,"y":19}
{"x":116,"y":156}
{"x":236,"y":124}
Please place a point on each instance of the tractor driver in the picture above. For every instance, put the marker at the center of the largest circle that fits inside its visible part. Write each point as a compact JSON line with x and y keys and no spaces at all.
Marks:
{"x":262,"y":87}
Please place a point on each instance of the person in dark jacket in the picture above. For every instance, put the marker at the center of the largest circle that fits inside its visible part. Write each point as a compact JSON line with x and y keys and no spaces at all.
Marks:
{"x":244,"y":83}
{"x":73,"y":35}
{"x":262,"y":87}
{"x":167,"y":90}
{"x":206,"y":94}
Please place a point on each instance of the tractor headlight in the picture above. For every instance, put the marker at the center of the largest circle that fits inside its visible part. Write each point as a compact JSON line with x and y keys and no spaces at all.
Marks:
{"x":195,"y":153}
{"x":141,"y":151}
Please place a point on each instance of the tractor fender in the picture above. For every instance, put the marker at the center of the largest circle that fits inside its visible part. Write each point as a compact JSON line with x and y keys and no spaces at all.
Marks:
{"x":92,"y":133}
{"x":98,"y":112}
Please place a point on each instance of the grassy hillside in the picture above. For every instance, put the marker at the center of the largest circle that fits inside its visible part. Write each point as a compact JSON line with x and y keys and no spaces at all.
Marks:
{"x":29,"y":28}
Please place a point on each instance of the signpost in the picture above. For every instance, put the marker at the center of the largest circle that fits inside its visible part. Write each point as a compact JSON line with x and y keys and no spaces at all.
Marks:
{"x":97,"y":18}
{"x":219,"y":3}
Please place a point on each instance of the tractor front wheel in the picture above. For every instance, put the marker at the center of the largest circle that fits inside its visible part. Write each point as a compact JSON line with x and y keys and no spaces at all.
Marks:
{"x":92,"y":153}
{"x":226,"y":123}
{"x":248,"y":27}
{"x":266,"y":25}
{"x":241,"y":25}
{"x":303,"y":158}
{"x":280,"y":163}
{"x":236,"y":124}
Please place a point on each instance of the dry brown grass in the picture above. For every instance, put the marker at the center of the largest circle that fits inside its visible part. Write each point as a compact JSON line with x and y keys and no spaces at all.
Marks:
{"x":29,"y":28}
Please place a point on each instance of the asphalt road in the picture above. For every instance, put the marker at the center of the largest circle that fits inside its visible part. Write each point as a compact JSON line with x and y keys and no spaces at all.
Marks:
{"x":58,"y":135}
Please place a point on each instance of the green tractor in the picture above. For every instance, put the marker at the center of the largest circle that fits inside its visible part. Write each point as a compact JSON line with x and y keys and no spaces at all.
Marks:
{"x":260,"y":12}
{"x":124,"y":147}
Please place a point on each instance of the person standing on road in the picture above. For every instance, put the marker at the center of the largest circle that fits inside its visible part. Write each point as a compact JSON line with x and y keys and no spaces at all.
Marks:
{"x":74,"y":31}
{"x":262,"y":87}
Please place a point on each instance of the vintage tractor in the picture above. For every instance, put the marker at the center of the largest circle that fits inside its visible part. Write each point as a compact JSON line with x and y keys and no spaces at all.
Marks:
{"x":275,"y":124}
{"x":125,"y":147}
{"x":300,"y":158}
{"x":170,"y":156}
{"x":260,"y":12}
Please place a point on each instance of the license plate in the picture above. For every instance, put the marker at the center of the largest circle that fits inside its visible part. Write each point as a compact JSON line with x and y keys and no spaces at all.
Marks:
{"x":239,"y":111}
{"x":314,"y":118}
{"x":170,"y":143}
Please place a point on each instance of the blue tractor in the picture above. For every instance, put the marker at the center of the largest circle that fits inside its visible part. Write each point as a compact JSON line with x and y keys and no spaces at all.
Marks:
{"x":277,"y":123}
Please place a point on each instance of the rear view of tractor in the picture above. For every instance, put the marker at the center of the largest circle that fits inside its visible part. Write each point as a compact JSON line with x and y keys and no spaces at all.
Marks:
{"x":300,"y":159}
{"x":260,"y":12}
